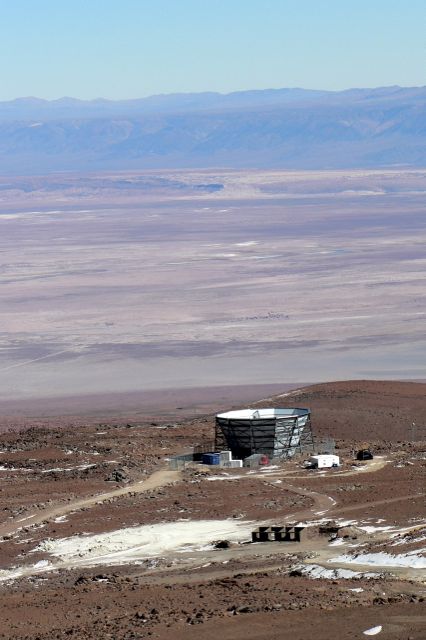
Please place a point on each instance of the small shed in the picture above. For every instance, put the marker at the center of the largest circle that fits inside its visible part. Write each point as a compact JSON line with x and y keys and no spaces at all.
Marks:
{"x":324,"y":461}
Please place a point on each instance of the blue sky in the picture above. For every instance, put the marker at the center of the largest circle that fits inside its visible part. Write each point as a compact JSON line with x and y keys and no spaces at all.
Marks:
{"x":134,"y":48}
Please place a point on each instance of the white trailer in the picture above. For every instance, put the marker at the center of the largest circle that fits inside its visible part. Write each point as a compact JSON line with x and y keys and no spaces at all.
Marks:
{"x":324,"y":461}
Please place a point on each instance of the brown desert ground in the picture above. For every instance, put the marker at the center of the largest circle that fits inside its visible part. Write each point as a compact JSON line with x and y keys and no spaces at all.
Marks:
{"x":100,"y":538}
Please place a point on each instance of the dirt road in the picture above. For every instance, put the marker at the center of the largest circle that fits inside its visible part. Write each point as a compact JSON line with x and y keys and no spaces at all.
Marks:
{"x":157,"y":479}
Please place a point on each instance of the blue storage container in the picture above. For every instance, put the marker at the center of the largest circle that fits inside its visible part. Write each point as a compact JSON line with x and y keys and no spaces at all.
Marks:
{"x":211,"y":458}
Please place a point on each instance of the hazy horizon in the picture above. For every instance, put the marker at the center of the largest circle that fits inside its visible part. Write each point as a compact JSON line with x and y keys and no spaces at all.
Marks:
{"x":248,"y":89}
{"x":144,"y":48}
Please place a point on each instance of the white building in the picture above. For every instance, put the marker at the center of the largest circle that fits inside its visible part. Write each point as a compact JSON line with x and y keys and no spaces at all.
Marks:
{"x":324,"y":461}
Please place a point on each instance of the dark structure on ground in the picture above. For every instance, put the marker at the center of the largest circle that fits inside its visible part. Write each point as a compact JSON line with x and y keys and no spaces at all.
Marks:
{"x":277,"y":534}
{"x":364,"y":454}
{"x":278,"y":433}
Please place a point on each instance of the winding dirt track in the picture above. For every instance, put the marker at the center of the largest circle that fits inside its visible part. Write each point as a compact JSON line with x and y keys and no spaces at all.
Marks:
{"x":323,"y":505}
{"x":157,"y":479}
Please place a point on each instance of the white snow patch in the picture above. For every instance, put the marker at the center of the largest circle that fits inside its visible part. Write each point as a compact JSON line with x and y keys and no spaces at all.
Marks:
{"x":412,"y":560}
{"x":17,"y":572}
{"x":10,"y":574}
{"x":316,"y":571}
{"x":372,"y":529}
{"x":41,"y":564}
{"x":80,"y":467}
{"x":225,"y":477}
{"x":373,"y":631}
{"x":61,"y":519}
{"x":137,"y":543}
{"x":337,"y":542}
{"x":408,"y":540}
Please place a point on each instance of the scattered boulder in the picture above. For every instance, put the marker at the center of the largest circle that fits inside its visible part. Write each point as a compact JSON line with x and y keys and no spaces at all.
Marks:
{"x":222,"y":544}
{"x":121,"y":474}
{"x":349,"y":532}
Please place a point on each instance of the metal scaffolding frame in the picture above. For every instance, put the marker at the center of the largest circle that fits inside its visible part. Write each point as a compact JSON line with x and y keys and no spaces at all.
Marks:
{"x":278,"y":436}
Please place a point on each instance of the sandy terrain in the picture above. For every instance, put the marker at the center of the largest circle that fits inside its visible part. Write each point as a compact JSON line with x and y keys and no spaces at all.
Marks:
{"x":114,"y":285}
{"x":86,"y":556}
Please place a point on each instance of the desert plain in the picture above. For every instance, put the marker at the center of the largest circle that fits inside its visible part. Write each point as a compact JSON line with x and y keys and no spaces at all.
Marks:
{"x":126,"y":283}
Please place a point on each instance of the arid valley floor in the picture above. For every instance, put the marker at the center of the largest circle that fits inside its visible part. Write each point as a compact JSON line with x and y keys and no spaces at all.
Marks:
{"x":116,"y":283}
{"x":84,"y":555}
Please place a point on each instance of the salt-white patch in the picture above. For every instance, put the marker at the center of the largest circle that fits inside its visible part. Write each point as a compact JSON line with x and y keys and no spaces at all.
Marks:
{"x":373,"y":631}
{"x":137,"y":543}
{"x":225,"y":255}
{"x":357,"y":590}
{"x":412,"y":560}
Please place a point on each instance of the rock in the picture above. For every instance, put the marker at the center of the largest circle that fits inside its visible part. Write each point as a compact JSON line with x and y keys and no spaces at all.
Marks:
{"x":222,"y":544}
{"x":140,"y":615}
{"x":118,"y":475}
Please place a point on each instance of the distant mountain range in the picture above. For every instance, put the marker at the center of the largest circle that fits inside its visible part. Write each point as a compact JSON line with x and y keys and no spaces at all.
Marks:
{"x":277,"y":128}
